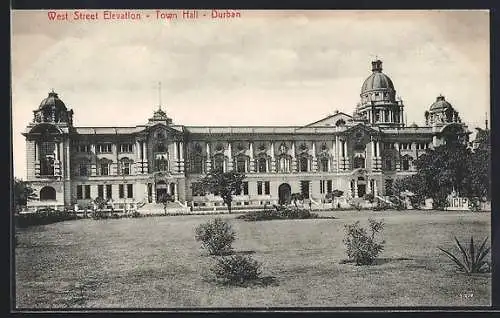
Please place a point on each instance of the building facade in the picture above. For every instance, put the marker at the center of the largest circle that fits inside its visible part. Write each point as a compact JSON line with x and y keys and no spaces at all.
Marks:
{"x":357,"y":154}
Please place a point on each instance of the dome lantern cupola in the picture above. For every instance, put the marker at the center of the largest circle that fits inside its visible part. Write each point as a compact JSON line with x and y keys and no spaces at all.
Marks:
{"x":378,"y":99}
{"x":441,"y":112}
{"x":377,"y":66}
{"x":53,"y":110}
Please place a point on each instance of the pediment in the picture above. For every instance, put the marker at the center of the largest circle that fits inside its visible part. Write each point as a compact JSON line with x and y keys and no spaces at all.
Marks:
{"x":331,"y":121}
{"x":161,"y":128}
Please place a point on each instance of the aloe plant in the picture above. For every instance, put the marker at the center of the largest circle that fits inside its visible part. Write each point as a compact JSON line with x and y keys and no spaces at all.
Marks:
{"x":472,"y":259}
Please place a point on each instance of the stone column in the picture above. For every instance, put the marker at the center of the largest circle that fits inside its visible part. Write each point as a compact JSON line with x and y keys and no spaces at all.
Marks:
{"x":345,"y":155}
{"x":208,"y":162}
{"x":398,"y":160}
{"x":181,"y":157}
{"x":144,"y":151}
{"x":252,"y":161}
{"x":434,"y":141}
{"x":337,"y":156}
{"x":273,"y":161}
{"x":229,"y":164}
{"x":137,"y":150}
{"x":355,"y":188}
{"x":176,"y":193}
{"x":368,"y":186}
{"x":375,"y":189}
{"x":294,"y":159}
{"x":314,"y":162}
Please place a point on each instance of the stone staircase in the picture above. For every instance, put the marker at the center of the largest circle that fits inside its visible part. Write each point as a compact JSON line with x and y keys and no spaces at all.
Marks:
{"x":159,"y":209}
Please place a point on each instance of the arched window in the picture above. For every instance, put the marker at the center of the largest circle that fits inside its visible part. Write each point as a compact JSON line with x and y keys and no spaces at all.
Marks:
{"x":47,"y":193}
{"x":262,"y":165}
{"x":324,"y":164}
{"x":161,"y":163}
{"x":405,"y":163}
{"x":283,"y":164}
{"x":303,"y":164}
{"x":83,"y":168}
{"x":160,"y":147}
{"x":47,"y":166}
{"x":388,"y":164}
{"x":241,"y":164}
{"x":104,"y":165}
{"x":359,"y":162}
{"x":340,"y":123}
{"x":126,"y":166}
{"x":218,"y":162}
{"x":197,"y":164}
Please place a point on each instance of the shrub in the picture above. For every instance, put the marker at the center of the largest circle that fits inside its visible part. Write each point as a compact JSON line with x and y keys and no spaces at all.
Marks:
{"x":473,"y":258}
{"x":361,"y":246}
{"x":216,"y":236}
{"x":136,"y":214}
{"x":43,"y":216}
{"x":236,"y":269}
{"x":369,"y":197}
{"x":277,"y":213}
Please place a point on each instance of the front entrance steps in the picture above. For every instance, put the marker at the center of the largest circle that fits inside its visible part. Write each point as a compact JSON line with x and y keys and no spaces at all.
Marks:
{"x":172,"y":208}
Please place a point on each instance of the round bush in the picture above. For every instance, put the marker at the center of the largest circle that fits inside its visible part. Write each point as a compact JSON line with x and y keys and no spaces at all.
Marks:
{"x":216,"y":236}
{"x":236,"y":270}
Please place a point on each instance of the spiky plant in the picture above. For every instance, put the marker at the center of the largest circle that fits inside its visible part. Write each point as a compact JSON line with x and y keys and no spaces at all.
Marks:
{"x":473,"y":259}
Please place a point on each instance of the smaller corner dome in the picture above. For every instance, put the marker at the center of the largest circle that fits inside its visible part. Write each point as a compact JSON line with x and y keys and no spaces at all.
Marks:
{"x":52,"y":101}
{"x":440,"y":104}
{"x":377,"y":80}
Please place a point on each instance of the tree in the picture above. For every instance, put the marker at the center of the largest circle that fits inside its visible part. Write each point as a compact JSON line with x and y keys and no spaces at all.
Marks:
{"x":23,"y":192}
{"x":443,"y":170}
{"x":164,"y":199}
{"x":480,"y":166}
{"x":100,"y":204}
{"x":413,"y":187}
{"x":296,"y":197}
{"x":224,"y":184}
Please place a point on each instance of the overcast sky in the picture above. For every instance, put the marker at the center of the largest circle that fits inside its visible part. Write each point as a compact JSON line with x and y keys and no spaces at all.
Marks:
{"x":266,"y":68}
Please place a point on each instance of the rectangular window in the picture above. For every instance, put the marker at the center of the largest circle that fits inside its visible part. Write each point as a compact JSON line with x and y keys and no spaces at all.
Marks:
{"x":126,"y":148}
{"x":104,"y":168}
{"x":109,"y":194}
{"x":83,"y":148}
{"x":321,"y":186}
{"x":267,"y":187}
{"x":87,"y":192}
{"x":304,"y":189}
{"x":130,"y":191}
{"x":121,"y":194}
{"x":79,"y":192}
{"x":388,"y":145}
{"x":259,"y":187}
{"x":103,"y":148}
{"x":100,"y":191}
{"x":245,"y":188}
{"x":329,"y":186}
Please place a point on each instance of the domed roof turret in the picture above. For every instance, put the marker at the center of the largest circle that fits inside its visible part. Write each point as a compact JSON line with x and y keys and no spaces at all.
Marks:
{"x":52,"y":101}
{"x":440,"y":104}
{"x":377,"y":80}
{"x":53,"y":110}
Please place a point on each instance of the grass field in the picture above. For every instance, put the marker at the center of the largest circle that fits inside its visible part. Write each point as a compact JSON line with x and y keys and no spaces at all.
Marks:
{"x":155,"y":262}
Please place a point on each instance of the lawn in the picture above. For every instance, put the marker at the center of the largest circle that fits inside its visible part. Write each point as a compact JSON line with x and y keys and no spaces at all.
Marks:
{"x":155,"y":262}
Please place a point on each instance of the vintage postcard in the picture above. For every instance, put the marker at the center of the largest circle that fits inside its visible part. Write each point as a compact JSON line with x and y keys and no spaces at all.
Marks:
{"x":204,"y":159}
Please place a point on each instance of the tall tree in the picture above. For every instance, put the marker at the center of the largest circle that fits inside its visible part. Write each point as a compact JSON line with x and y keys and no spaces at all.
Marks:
{"x":224,"y":184}
{"x":23,"y":192}
{"x":480,"y":165}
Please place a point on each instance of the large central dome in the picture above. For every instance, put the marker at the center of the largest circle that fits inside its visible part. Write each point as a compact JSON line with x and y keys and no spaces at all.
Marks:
{"x":377,"y":81}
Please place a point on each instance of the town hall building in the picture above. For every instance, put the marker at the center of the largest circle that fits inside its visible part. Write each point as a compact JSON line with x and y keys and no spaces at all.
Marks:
{"x":134,"y":166}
